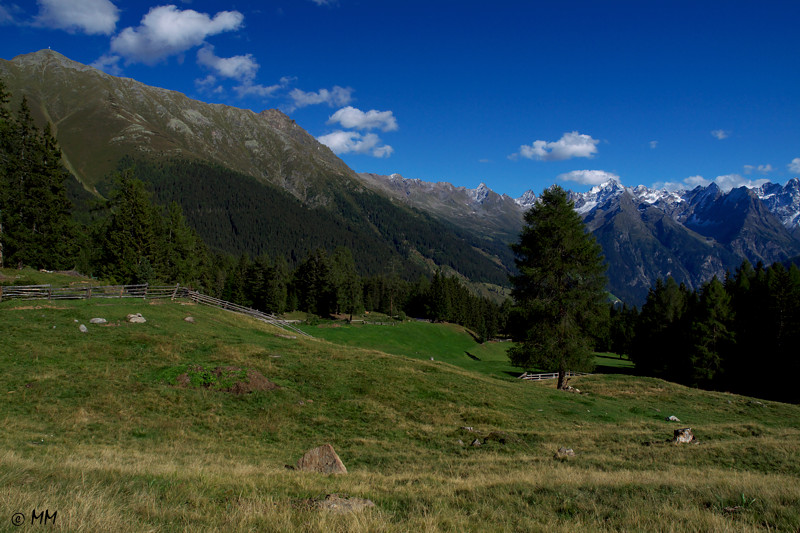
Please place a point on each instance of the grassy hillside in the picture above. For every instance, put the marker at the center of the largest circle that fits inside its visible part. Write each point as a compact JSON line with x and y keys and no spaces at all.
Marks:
{"x":449,"y":343}
{"x":95,"y":429}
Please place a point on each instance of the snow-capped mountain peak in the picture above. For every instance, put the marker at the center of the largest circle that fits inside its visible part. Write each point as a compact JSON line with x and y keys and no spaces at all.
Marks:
{"x":527,"y":199}
{"x":480,"y":194}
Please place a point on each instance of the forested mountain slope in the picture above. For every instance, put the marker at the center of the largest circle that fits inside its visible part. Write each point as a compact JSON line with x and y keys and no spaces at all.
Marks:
{"x":248,"y":182}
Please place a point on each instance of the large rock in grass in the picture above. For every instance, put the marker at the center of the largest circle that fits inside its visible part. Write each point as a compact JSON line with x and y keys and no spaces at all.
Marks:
{"x":136,"y":318}
{"x":322,"y":459}
{"x":683,"y":435}
{"x":342,"y":505}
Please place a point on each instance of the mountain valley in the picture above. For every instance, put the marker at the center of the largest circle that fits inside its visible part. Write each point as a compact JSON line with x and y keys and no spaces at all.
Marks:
{"x":258,"y":183}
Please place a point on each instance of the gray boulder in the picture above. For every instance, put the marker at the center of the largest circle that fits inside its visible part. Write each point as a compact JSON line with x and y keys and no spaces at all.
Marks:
{"x":322,"y":459}
{"x":136,"y":318}
{"x":563,"y":453}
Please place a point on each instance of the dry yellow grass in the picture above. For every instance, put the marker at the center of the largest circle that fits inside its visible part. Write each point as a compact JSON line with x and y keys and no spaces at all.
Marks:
{"x":93,"y":429}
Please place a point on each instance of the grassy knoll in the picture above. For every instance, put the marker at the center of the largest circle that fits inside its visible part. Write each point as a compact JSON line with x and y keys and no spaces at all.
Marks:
{"x":94,"y":428}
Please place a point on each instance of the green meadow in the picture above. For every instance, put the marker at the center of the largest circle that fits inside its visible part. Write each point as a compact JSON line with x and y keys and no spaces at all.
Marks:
{"x":449,"y":343}
{"x":98,"y":428}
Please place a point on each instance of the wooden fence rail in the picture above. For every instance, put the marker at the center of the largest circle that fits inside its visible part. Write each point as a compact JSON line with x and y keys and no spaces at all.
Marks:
{"x":144,"y":291}
{"x":550,"y":375}
{"x":236,"y":308}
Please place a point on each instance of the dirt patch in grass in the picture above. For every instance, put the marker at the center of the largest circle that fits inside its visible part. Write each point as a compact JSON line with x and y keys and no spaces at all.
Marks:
{"x":230,"y":379}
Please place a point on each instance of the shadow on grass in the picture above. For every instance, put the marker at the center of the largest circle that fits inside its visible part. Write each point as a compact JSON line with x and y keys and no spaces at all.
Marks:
{"x":608,"y":364}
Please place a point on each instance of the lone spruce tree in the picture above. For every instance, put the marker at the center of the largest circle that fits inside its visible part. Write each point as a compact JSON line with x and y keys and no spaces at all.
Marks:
{"x":559,"y":290}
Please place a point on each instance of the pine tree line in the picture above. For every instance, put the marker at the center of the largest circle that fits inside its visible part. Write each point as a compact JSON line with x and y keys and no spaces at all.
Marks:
{"x":35,"y":223}
{"x":327,"y":284}
{"x":739,"y":335}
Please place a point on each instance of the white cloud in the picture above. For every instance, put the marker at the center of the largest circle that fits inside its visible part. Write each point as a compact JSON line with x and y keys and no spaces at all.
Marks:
{"x":668,"y":185}
{"x":350,"y":117}
{"x":653,"y":144}
{"x":570,"y":145}
{"x":8,"y":14}
{"x":264,"y":91}
{"x":166,"y":30}
{"x":694,"y":181}
{"x":87,"y":16}
{"x":725,"y":183}
{"x":326,"y":2}
{"x":733,"y":181}
{"x":794,"y":166}
{"x":338,"y":96}
{"x":589,"y":177}
{"x":242,"y":68}
{"x":761,"y":169}
{"x":721,"y":134}
{"x":352,"y":142}
{"x":209,"y":85}
{"x":108,"y":63}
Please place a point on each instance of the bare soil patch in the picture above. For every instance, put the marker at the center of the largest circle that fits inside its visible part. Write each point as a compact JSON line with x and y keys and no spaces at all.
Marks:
{"x":230,"y":379}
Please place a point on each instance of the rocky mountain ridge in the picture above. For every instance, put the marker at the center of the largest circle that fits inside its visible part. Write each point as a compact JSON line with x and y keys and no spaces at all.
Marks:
{"x":646,"y":233}
{"x":248,"y":182}
{"x":101,"y":120}
{"x":98,"y":118}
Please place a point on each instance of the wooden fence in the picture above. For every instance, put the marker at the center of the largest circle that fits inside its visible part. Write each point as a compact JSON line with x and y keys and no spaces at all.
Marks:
{"x":551,"y":375}
{"x":203,"y":299}
{"x":145,"y":291}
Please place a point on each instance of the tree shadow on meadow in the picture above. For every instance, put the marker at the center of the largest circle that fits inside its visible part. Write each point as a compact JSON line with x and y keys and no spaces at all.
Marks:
{"x":613,"y":364}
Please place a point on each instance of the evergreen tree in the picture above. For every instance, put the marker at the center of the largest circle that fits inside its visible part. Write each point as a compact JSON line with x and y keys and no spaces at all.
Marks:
{"x":661,"y":344}
{"x":345,"y":281}
{"x":183,"y":251}
{"x":276,"y":283}
{"x":622,"y":323}
{"x":6,"y":159}
{"x":712,"y":335}
{"x":35,"y":222}
{"x":559,"y":288}
{"x":130,"y":240}
{"x":314,"y":286}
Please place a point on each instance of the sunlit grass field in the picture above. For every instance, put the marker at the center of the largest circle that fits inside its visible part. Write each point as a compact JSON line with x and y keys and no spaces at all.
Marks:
{"x":448,"y":343}
{"x":94,"y":427}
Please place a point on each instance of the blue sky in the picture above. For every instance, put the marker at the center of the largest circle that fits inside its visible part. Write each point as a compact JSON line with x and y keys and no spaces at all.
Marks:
{"x":516,"y":94}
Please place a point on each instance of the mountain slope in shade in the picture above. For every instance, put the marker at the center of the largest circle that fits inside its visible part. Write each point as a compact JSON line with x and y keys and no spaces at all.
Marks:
{"x":642,"y":243}
{"x":645,"y":234}
{"x":481,"y":210}
{"x":783,"y":202}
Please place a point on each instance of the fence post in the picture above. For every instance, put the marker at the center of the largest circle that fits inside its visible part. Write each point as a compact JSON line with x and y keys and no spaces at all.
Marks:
{"x":49,"y":292}
{"x":1,"y":293}
{"x":176,"y":290}
{"x":89,"y":292}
